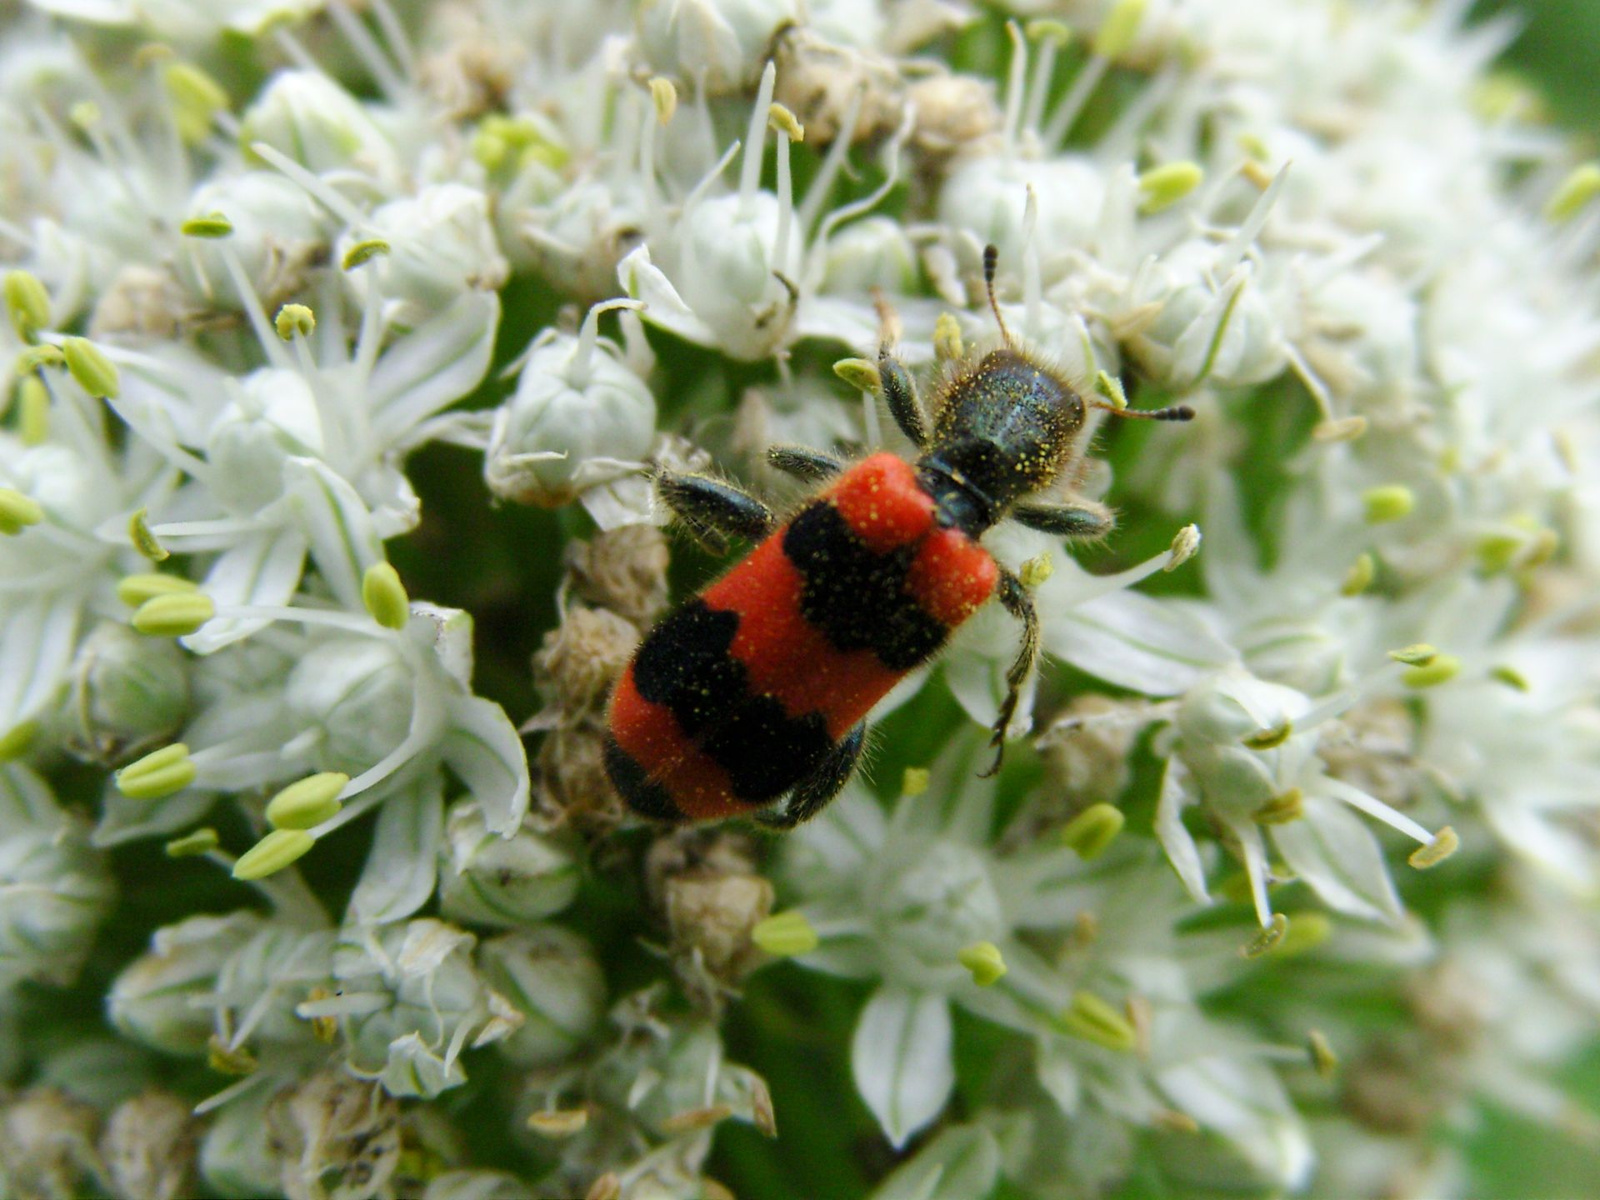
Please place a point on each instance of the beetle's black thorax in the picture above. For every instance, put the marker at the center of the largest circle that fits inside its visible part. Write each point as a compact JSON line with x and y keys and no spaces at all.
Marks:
{"x":1002,"y":429}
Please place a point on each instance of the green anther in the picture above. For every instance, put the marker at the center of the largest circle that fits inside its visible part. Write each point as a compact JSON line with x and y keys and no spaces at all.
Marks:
{"x":1044,"y":29}
{"x":1111,"y":389}
{"x":1306,"y":932}
{"x":1092,"y":830}
{"x":144,"y":541}
{"x":1442,"y":669}
{"x":1323,"y":1059}
{"x":33,"y":411}
{"x":385,"y":596}
{"x":229,"y":1060}
{"x":191,"y":845}
{"x":90,"y":367}
{"x":858,"y":373}
{"x":1267,"y":938}
{"x":1388,"y":503}
{"x":1184,"y":544}
{"x":193,"y":88}
{"x":1281,"y":809}
{"x":663,"y":98}
{"x":1255,"y":147}
{"x":784,"y":935}
{"x":363,"y":252}
{"x":196,"y":98}
{"x":209,"y":227}
{"x":295,"y":320}
{"x":915,"y":781}
{"x":1344,"y":429}
{"x":1269,"y":739}
{"x":17,"y":512}
{"x":307,"y":803}
{"x":35,"y":358}
{"x":273,"y":853}
{"x":785,"y":122}
{"x":1575,"y":192}
{"x":159,"y":774}
{"x":1165,"y":185}
{"x":28,"y":302}
{"x":1444,"y":844}
{"x":1419,"y":654}
{"x":1511,"y":677}
{"x":1498,"y":550}
{"x":175,"y":615}
{"x":947,"y":344}
{"x":1036,"y":570}
{"x":1118,"y":30}
{"x":1541,"y":550}
{"x":984,"y":961}
{"x":1092,"y":1019}
{"x":85,"y":114}
{"x":134,"y":590}
{"x":14,"y":742}
{"x":1360,"y":575}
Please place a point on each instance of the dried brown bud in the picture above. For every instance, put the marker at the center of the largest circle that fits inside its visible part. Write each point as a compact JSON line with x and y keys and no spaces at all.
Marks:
{"x":952,"y":112}
{"x":579,"y":661}
{"x":818,"y":81}
{"x":47,"y":1144}
{"x":335,"y":1134}
{"x":149,"y":1147}
{"x":623,"y":569}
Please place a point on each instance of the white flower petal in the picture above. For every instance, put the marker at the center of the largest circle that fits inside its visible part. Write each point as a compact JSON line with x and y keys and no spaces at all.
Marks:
{"x":1335,"y":853}
{"x":434,"y":365}
{"x":959,"y":1164}
{"x":1175,"y":837}
{"x":900,"y":1057}
{"x":336,"y":522}
{"x":36,"y":648}
{"x":1155,"y":646}
{"x":484,"y":749}
{"x":261,"y":569}
{"x":403,"y":863}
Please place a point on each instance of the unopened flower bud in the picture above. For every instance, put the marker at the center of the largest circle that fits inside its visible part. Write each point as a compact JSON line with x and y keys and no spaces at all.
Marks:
{"x":486,"y":879}
{"x":578,"y":418}
{"x":553,"y":980}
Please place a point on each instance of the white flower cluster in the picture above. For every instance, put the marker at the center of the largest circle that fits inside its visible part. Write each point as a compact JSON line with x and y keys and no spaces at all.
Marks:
{"x":257,"y":254}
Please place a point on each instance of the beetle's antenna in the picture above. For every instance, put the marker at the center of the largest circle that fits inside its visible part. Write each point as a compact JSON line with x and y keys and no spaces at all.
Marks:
{"x":991,"y":256}
{"x":1177,"y":412}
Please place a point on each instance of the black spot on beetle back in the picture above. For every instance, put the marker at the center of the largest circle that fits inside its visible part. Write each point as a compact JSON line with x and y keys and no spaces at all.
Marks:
{"x":628,"y":777}
{"x":765,"y":751}
{"x":855,"y":597}
{"x":684,"y":665}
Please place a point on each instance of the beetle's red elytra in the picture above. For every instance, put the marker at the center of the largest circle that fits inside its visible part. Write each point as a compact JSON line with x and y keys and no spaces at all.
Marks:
{"x":750,"y":699}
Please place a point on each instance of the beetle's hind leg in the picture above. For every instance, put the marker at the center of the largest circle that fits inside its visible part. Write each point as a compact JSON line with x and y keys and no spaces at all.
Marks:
{"x":814,"y":793}
{"x":1081,"y":519}
{"x":1014,"y":596}
{"x":713,"y":509}
{"x":814,"y":466}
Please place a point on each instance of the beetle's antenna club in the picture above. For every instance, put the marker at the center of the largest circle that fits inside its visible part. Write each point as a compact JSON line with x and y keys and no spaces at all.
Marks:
{"x":1177,"y":412}
{"x":991,"y":255}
